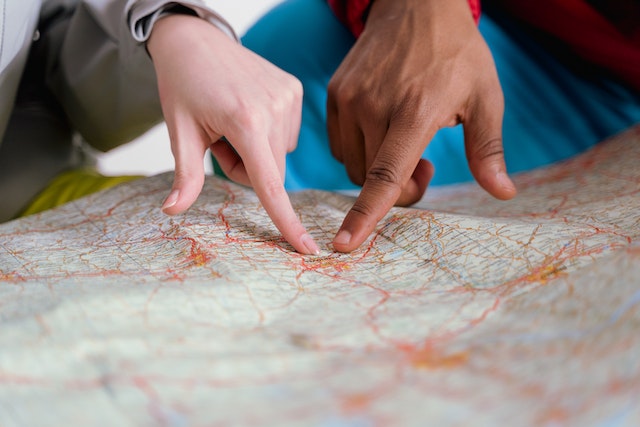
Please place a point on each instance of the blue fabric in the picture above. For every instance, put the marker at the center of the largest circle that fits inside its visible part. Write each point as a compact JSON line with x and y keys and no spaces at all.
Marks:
{"x":551,"y":114}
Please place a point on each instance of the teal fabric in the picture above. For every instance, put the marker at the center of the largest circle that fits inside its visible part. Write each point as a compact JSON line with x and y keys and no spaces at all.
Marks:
{"x":305,"y":39}
{"x":551,"y":113}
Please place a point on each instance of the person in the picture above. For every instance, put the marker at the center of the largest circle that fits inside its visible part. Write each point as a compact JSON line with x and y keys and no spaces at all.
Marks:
{"x":405,"y":73}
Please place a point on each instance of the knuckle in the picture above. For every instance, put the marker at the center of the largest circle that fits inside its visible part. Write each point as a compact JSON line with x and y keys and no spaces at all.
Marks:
{"x":289,"y":95}
{"x":370,"y":105}
{"x":287,"y":98}
{"x":384,"y":175}
{"x":350,"y":98}
{"x":279,"y":103}
{"x":363,"y":208}
{"x":354,"y":98}
{"x":272,"y":187}
{"x":489,"y":148}
{"x":249,"y":117}
{"x":344,"y":97}
{"x":296,"y":90}
{"x":333,"y":88}
{"x":187,"y":176}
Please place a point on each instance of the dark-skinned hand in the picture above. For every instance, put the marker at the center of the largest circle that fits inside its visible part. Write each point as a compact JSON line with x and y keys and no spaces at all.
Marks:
{"x":419,"y":66}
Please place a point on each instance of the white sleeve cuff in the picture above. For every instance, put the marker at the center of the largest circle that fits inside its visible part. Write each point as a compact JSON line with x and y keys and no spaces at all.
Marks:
{"x":144,"y":14}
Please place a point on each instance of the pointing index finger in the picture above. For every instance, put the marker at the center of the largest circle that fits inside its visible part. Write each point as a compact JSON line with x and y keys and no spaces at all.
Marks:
{"x":267,"y":183}
{"x":388,"y":175}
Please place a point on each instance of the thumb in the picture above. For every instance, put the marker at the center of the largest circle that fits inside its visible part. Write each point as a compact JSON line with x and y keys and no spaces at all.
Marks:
{"x":483,"y":143}
{"x":188,"y":146}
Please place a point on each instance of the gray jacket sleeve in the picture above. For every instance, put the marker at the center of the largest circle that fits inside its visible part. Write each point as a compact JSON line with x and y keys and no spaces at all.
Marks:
{"x":102,"y":74}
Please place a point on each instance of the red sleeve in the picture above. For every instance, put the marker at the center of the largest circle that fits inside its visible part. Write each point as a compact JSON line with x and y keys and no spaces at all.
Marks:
{"x":581,"y":28}
{"x":354,"y":12}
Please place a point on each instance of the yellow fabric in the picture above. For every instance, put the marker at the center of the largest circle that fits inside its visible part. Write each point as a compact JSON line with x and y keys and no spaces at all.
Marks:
{"x":73,"y":185}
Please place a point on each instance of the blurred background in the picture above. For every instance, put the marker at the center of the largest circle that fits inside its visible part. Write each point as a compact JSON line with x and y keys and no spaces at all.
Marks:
{"x":151,"y":154}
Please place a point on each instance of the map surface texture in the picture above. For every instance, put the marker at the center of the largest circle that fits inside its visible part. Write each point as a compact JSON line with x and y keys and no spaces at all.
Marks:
{"x":460,"y":311}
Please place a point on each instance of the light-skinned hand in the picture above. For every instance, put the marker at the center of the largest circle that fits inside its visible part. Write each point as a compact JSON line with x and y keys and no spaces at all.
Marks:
{"x":210,"y":86}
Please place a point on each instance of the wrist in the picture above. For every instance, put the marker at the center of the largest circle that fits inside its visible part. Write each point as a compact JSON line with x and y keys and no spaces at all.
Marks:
{"x":434,"y":16}
{"x":143,"y":17}
{"x":180,"y":31}
{"x":432,"y":12}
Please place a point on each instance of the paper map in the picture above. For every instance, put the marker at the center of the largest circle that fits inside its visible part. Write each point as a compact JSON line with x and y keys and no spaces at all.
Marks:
{"x":467,"y":311}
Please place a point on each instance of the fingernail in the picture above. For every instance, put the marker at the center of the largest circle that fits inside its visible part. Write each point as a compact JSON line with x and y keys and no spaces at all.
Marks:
{"x":310,"y":245}
{"x":342,"y":238}
{"x":171,"y":200}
